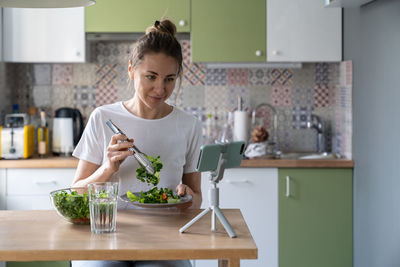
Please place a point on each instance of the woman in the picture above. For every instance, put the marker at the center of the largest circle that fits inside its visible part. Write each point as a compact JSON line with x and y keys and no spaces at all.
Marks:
{"x":157,"y":129}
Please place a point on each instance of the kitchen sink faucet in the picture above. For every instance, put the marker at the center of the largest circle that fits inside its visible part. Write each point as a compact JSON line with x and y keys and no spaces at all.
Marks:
{"x":317,"y":124}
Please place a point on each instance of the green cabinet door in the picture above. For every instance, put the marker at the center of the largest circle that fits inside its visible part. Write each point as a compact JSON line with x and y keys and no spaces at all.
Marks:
{"x":228,"y":31}
{"x":135,"y":15}
{"x":315,"y":209}
{"x":39,"y":264}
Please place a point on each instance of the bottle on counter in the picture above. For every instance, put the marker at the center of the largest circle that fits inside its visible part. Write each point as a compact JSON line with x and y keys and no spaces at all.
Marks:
{"x":216,"y":128}
{"x":212,"y":129}
{"x":207,"y":136}
{"x":34,"y":120}
{"x":226,"y":135}
{"x":43,"y":136}
{"x":15,"y":108}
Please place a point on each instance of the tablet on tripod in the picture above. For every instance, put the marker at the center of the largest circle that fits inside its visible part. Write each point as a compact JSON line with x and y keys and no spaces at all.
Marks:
{"x":210,"y":155}
{"x":215,"y":158}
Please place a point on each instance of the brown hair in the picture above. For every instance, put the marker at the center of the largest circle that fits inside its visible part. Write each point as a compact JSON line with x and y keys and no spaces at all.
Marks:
{"x":159,"y":38}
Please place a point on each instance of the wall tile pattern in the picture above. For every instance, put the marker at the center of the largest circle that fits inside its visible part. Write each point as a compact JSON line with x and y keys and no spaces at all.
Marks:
{"x":281,"y":95}
{"x":322,"y":89}
{"x":5,"y":103}
{"x":258,"y":77}
{"x":238,"y":77}
{"x":216,"y":77}
{"x":84,"y":96}
{"x":42,"y":74}
{"x":193,"y":73}
{"x":281,"y":77}
{"x":42,"y":95}
{"x":62,"y":74}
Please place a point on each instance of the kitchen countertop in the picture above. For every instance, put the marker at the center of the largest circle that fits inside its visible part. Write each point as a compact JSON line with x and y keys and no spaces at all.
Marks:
{"x":71,"y":162}
{"x":140,"y":235}
{"x":264,"y":162}
{"x":35,"y":162}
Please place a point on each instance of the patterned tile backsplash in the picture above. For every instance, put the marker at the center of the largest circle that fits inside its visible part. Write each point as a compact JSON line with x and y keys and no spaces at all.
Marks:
{"x":5,"y":99}
{"x":322,"y":89}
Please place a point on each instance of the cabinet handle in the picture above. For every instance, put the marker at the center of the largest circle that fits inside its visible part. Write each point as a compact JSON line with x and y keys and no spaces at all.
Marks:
{"x":275,"y":52}
{"x":258,"y":53}
{"x":245,"y":181}
{"x":287,"y":186}
{"x":182,"y":23}
{"x":45,"y":182}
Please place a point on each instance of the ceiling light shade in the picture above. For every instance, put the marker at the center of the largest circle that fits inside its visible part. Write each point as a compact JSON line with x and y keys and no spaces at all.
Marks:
{"x":46,"y":3}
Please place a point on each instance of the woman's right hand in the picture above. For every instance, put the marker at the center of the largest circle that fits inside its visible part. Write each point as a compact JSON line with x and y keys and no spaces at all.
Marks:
{"x":117,"y":151}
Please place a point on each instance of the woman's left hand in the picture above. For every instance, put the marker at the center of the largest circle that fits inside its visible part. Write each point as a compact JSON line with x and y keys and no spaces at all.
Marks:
{"x":183,"y":189}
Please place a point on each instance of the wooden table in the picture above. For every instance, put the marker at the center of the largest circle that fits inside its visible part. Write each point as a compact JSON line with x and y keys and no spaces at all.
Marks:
{"x":42,"y":235}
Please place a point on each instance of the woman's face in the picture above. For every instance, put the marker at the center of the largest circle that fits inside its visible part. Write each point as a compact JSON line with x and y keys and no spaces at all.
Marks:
{"x":154,"y":78}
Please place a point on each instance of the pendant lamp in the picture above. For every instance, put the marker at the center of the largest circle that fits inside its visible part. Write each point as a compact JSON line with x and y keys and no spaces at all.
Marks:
{"x":46,"y":3}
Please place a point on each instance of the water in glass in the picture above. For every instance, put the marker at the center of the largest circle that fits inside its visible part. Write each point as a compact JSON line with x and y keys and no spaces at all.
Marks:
{"x":103,"y":207}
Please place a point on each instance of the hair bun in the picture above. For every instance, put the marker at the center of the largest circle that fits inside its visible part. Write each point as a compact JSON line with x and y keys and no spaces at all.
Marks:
{"x":163,"y":26}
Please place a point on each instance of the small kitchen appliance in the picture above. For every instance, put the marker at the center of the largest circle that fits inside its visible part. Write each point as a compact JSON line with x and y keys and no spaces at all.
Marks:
{"x":67,"y":130}
{"x":17,"y":138}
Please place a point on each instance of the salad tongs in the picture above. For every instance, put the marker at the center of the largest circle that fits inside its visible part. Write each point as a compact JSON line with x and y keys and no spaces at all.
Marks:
{"x":139,"y":156}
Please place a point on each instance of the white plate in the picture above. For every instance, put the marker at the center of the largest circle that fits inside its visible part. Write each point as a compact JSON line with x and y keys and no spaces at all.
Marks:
{"x":184,"y":200}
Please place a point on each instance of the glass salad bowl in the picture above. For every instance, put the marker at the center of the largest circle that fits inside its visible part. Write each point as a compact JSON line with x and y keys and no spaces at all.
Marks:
{"x":72,"y":204}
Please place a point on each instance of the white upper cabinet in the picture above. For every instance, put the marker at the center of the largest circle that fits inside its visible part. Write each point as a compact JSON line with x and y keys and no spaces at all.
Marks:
{"x":303,"y":31}
{"x":43,"y":35}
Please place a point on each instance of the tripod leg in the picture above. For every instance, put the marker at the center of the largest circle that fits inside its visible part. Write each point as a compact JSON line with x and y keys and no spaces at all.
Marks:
{"x":213,"y":222}
{"x":195,"y":219}
{"x":224,"y":222}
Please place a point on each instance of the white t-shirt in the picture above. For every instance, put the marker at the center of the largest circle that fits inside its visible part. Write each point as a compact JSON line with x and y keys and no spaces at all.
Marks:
{"x":176,"y":138}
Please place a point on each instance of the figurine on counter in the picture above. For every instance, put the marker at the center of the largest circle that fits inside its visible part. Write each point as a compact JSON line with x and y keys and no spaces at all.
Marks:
{"x":259,"y":134}
{"x":258,"y":145}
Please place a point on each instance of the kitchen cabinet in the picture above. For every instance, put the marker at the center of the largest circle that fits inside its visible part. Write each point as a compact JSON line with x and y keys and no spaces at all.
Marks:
{"x":315,"y":217}
{"x":272,"y":31}
{"x":228,"y":31}
{"x":3,"y":173}
{"x":119,"y":16}
{"x":28,"y":189}
{"x":303,"y":220}
{"x":2,"y":197}
{"x":43,"y":35}
{"x":303,"y":31}
{"x":254,"y":192}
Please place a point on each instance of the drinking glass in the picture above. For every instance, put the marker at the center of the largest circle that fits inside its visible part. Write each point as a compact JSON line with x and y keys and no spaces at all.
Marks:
{"x":103,"y":207}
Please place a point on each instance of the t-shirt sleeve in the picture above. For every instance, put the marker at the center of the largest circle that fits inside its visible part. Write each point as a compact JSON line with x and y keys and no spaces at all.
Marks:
{"x":193,"y":152}
{"x":90,"y":146}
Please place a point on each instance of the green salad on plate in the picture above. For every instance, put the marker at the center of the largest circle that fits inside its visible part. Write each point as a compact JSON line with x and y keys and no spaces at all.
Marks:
{"x":154,"y":195}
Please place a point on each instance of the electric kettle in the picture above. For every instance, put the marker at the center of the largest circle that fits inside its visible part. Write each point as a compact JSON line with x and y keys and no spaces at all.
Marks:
{"x":67,"y":130}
